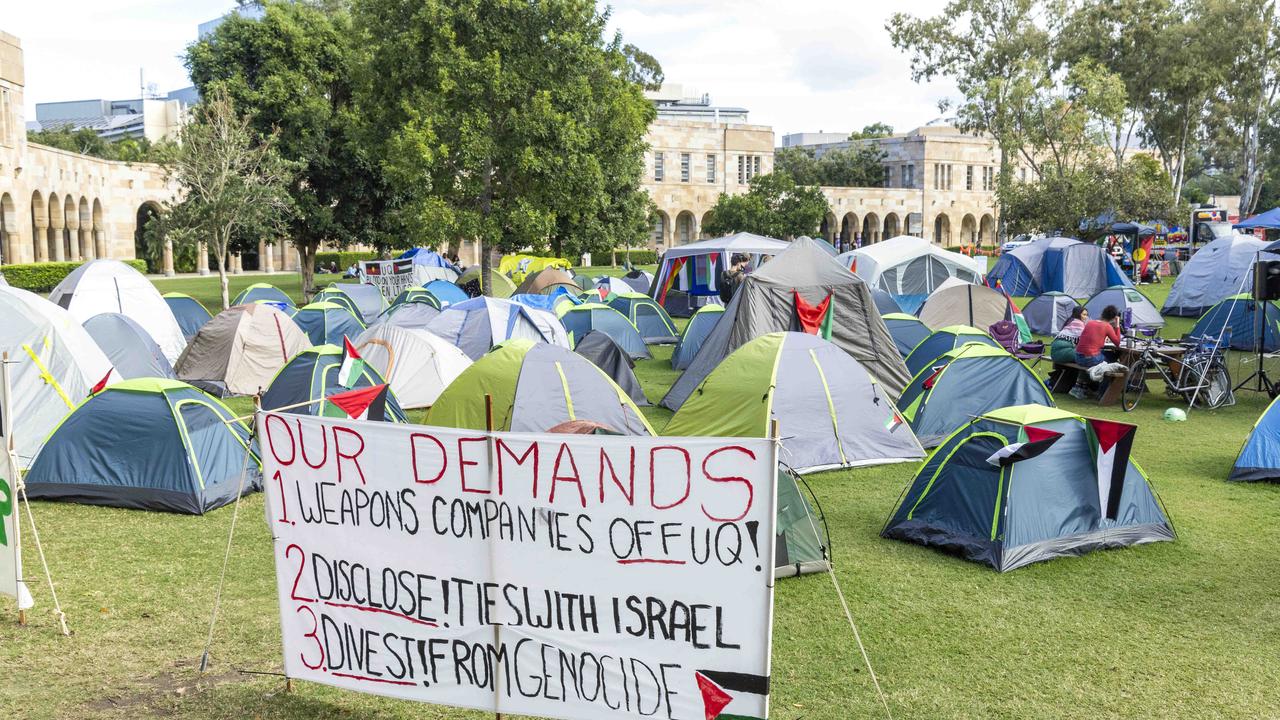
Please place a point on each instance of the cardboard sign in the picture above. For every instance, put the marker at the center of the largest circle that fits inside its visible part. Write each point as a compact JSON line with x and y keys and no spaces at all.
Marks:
{"x":561,"y":576}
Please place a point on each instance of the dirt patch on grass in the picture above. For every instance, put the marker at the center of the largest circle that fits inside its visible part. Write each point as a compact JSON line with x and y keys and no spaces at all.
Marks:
{"x":157,"y":696}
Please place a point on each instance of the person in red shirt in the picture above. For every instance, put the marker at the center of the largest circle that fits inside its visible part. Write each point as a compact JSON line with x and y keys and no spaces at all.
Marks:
{"x":1095,"y":335}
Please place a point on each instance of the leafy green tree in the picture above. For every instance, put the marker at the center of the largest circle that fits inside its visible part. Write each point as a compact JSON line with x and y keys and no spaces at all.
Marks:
{"x":774,"y":206}
{"x":859,"y":166}
{"x":292,"y":72}
{"x":1059,"y":201}
{"x":87,"y":142}
{"x":515,"y":123}
{"x":874,"y":130}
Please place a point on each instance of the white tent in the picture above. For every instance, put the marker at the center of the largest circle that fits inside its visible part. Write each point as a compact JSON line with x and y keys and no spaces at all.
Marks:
{"x":478,"y":324}
{"x":417,"y":364}
{"x":910,"y":267}
{"x":102,"y":286}
{"x":1217,"y":271}
{"x":55,"y":365}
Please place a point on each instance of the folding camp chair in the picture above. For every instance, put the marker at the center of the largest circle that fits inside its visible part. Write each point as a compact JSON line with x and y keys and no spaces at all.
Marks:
{"x":1005,"y":332}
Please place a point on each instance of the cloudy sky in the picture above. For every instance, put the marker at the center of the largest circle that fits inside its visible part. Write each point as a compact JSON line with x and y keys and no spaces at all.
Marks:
{"x":798,"y":65}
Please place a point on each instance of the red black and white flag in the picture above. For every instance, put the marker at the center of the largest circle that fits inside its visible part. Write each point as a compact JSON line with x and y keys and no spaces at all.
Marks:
{"x":814,"y":319}
{"x":731,"y":695}
{"x":1038,"y":440}
{"x":1115,"y":442}
{"x":364,"y":404}
{"x":101,"y":384}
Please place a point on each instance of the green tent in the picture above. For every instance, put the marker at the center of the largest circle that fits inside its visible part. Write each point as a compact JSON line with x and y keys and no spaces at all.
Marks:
{"x":262,"y":291}
{"x":801,"y":547}
{"x":497,"y":285}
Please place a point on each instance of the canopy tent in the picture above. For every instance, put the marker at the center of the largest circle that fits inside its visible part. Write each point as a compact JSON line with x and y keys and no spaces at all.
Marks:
{"x":961,"y":303}
{"x":579,"y":320}
{"x":607,"y":355}
{"x":518,"y":267}
{"x":417,"y":364}
{"x":1269,"y":220}
{"x":334,"y":294}
{"x":481,"y":323}
{"x":547,"y":281}
{"x":147,"y":444}
{"x":326,"y":323}
{"x":1046,"y":313}
{"x":964,"y":383}
{"x":791,"y":377}
{"x":100,"y":286}
{"x":647,"y":316}
{"x":1216,"y":271}
{"x":445,"y":293}
{"x":262,"y":291}
{"x":886,"y":303}
{"x":1142,"y":313}
{"x":1259,"y":457}
{"x":694,"y":334}
{"x":129,"y":348}
{"x":1056,"y":265}
{"x":1243,"y":324}
{"x":368,"y":299}
{"x":413,"y":314}
{"x":1019,"y":485}
{"x":534,"y":387}
{"x":54,"y":365}
{"x":787,"y":293}
{"x":414,"y":294}
{"x":242,"y":348}
{"x":312,"y":375}
{"x":688,"y":276}
{"x":189,"y":313}
{"x":907,"y":331}
{"x":943,"y":341}
{"x":909,"y":268}
{"x":498,"y":285}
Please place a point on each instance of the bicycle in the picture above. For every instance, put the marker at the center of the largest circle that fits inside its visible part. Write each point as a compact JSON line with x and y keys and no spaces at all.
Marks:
{"x":1202,"y":378}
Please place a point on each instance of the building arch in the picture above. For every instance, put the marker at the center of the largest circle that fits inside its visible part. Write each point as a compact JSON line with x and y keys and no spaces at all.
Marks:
{"x":39,"y":228}
{"x":702,"y":227}
{"x":85,"y":239}
{"x":9,"y":229}
{"x":99,"y":231}
{"x":686,"y":228}
{"x":848,"y":228}
{"x":660,"y":224}
{"x":53,"y":237}
{"x":70,"y":229}
{"x":942,"y":230}
{"x":892,"y":226}
{"x":987,"y":230}
{"x":144,"y":247}
{"x":870,"y":228}
{"x":968,"y":230}
{"x":828,"y":228}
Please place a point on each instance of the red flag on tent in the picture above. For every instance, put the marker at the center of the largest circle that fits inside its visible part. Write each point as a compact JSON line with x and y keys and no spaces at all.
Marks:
{"x":364,"y":404}
{"x":1038,"y":440}
{"x":101,"y":383}
{"x":814,"y":319}
{"x":1115,"y":441}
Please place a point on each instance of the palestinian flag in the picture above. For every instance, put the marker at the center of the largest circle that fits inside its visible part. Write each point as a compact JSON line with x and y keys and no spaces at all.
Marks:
{"x":364,"y":404}
{"x":352,"y":367}
{"x":1038,"y":440}
{"x":1015,"y":314}
{"x":814,"y":319}
{"x":731,"y":695}
{"x":1115,"y":441}
{"x":893,"y":421}
{"x":98,"y":387}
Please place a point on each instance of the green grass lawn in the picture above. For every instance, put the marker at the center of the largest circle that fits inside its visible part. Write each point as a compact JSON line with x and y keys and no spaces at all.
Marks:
{"x":1172,"y":630}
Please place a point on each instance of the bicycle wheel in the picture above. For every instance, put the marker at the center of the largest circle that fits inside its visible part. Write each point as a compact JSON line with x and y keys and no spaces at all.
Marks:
{"x":1214,"y":386}
{"x":1135,"y":383}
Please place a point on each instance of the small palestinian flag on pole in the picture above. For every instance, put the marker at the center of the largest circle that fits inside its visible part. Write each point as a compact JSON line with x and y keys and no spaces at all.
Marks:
{"x":364,"y":404}
{"x":814,"y":319}
{"x":1038,"y":440}
{"x":732,"y":695}
{"x":101,"y":384}
{"x":352,"y":367}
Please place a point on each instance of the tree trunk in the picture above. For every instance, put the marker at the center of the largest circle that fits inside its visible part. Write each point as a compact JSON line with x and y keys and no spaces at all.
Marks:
{"x":486,"y":207}
{"x":220,"y":252}
{"x":307,"y":268}
{"x":1182,"y":155}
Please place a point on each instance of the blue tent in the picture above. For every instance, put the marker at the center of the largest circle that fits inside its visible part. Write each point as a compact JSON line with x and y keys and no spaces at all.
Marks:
{"x":128,"y":346}
{"x":550,"y":302}
{"x":1269,"y":220}
{"x":695,"y":332}
{"x":262,"y":291}
{"x":149,"y":444}
{"x":582,"y":319}
{"x":650,"y":319}
{"x":313,"y":374}
{"x":941,"y":342}
{"x":1259,"y":457}
{"x":327,"y":323}
{"x":907,"y":331}
{"x":1056,"y":265}
{"x":428,"y":258}
{"x":1239,"y":314}
{"x":189,"y":313}
{"x":445,"y":292}
{"x":887,"y":303}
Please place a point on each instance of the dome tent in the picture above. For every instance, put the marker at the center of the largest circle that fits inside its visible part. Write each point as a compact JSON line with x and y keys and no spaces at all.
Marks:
{"x":907,"y":331}
{"x":885,"y":302}
{"x":129,"y":348}
{"x":1259,"y":456}
{"x":800,"y":375}
{"x":414,"y":294}
{"x":1144,"y":314}
{"x":445,"y":293}
{"x":579,"y":320}
{"x":148,"y":444}
{"x":189,"y":313}
{"x":242,"y":348}
{"x":767,"y":302}
{"x":334,"y":294}
{"x":1046,"y":313}
{"x":326,"y":323}
{"x":695,"y":333}
{"x":964,"y":383}
{"x":649,"y":318}
{"x":499,"y":285}
{"x":368,"y":299}
{"x":1057,"y":264}
{"x":534,"y":387}
{"x":961,"y":303}
{"x":313,"y":374}
{"x":546,"y":281}
{"x":1214,"y":273}
{"x":100,"y":286}
{"x":1019,"y":485}
{"x":478,"y":324}
{"x":417,"y":364}
{"x":413,"y":314}
{"x":1240,"y":318}
{"x":909,"y":268}
{"x":259,"y":292}
{"x":55,"y":363}
{"x":607,"y":355}
{"x":942,"y":341}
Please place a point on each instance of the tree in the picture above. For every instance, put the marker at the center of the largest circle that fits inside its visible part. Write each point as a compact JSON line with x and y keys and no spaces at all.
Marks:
{"x":293,"y":72}
{"x":1058,"y":202}
{"x":874,"y":130}
{"x":233,"y":182}
{"x":861,"y":165}
{"x":514,"y":123}
{"x":774,"y":206}
{"x":88,"y":142}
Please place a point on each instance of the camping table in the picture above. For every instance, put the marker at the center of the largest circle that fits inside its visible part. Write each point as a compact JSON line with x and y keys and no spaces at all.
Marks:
{"x":1129,"y":352}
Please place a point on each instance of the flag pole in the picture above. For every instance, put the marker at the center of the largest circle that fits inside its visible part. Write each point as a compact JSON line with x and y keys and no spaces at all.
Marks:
{"x":6,"y":428}
{"x":488,"y":426}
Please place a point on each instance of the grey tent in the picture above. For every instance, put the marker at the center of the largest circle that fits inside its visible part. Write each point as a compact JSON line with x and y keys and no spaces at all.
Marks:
{"x":885,"y":302}
{"x":1019,"y":485}
{"x":189,"y":313}
{"x":695,"y":333}
{"x":1141,"y":312}
{"x":128,"y":346}
{"x":607,"y":355}
{"x":956,"y":302}
{"x":638,"y":280}
{"x":1046,"y":313}
{"x":368,"y":299}
{"x":241,"y":349}
{"x":412,"y":314}
{"x":767,"y":302}
{"x":802,"y":541}
{"x":1217,"y":271}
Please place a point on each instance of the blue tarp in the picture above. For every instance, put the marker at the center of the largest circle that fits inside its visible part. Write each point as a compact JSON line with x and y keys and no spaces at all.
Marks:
{"x":1269,"y":220}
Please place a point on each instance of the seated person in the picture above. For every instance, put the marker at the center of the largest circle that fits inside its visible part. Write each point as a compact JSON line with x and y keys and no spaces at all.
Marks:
{"x":1063,"y":347}
{"x":1089,"y":349}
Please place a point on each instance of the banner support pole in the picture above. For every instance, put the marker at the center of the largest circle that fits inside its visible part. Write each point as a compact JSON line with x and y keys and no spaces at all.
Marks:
{"x":488,"y":426}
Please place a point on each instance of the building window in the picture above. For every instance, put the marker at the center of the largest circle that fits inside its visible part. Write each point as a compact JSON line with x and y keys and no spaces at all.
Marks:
{"x":968,"y":177}
{"x":711,"y":168}
{"x":908,"y":176}
{"x":988,"y":178}
{"x":659,"y":229}
{"x":748,"y":167}
{"x":657,"y":167}
{"x":941,"y":176}
{"x":888,"y":176}
{"x":685,"y":163}
{"x":6,"y":132}
{"x":757,"y":168}
{"x":1023,"y":171}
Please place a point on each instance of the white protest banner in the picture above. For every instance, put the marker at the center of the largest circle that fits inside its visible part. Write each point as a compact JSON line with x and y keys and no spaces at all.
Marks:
{"x":561,"y":576}
{"x":11,"y":582}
